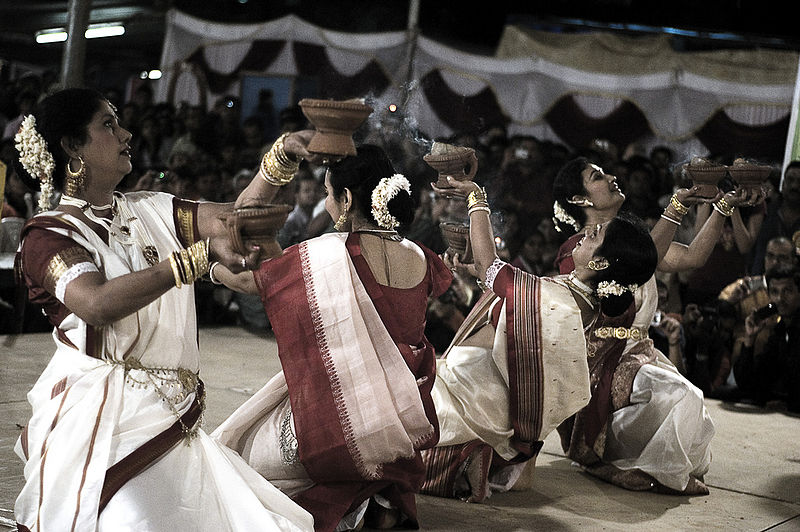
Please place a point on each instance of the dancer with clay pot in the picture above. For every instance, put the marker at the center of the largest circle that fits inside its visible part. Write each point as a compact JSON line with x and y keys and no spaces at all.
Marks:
{"x":517,"y":368}
{"x":341,"y":428}
{"x":114,"y":438}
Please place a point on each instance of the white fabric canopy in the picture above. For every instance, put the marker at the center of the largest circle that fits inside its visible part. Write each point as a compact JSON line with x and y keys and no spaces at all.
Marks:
{"x":677,"y":92}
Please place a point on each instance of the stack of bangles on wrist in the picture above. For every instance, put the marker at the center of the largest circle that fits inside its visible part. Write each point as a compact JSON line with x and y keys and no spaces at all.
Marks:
{"x":189,"y":264}
{"x":277,"y":166}
{"x":675,"y":210}
{"x":477,"y":201}
{"x":723,"y":208}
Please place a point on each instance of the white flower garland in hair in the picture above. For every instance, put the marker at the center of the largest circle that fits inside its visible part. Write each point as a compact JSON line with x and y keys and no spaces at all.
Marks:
{"x":608,"y":288}
{"x":36,"y":159}
{"x":562,"y":216}
{"x":387,"y":188}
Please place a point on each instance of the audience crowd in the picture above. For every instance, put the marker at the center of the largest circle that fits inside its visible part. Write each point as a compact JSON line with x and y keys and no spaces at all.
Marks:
{"x":707,"y":318}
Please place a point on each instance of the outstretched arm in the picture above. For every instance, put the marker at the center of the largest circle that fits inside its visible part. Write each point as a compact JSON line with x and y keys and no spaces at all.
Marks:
{"x":290,"y":150}
{"x":664,"y":229}
{"x":681,"y":257}
{"x":481,"y":235}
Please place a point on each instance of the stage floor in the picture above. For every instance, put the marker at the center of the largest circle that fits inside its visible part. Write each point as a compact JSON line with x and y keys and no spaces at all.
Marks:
{"x":754,"y":477}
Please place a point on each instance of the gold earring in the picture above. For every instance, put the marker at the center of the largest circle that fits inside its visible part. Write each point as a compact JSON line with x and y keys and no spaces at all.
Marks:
{"x":341,"y":222}
{"x":75,"y":179}
{"x":597,"y":265}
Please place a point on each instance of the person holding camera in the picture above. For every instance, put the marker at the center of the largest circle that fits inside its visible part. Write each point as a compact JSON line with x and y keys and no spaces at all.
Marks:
{"x":773,"y":373}
{"x":749,"y":293}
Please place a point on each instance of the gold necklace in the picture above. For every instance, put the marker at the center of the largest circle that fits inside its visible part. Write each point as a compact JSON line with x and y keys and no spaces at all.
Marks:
{"x":121,"y":231}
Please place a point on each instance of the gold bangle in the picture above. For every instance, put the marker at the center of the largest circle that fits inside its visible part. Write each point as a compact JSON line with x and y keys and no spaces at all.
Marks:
{"x":672,"y":211}
{"x":273,"y":174}
{"x":676,"y":203}
{"x":479,"y":207}
{"x":277,"y":168}
{"x":477,"y":196}
{"x":188,"y":272}
{"x":174,"y":264}
{"x":723,"y":208}
{"x":199,"y":255}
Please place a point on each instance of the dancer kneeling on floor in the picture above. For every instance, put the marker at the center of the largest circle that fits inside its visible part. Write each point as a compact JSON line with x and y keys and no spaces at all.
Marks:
{"x":517,"y":368}
{"x":646,"y":426}
{"x":340,"y":429}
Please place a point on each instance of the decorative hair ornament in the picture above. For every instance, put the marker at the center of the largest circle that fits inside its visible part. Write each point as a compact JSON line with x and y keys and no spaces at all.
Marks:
{"x":36,"y":159}
{"x":560,"y":215}
{"x":387,"y":188}
{"x":613,"y":288}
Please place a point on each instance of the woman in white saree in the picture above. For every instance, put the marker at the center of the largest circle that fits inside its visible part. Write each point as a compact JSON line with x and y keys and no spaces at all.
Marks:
{"x":114,"y":441}
{"x":516,"y":368}
{"x":646,"y":427}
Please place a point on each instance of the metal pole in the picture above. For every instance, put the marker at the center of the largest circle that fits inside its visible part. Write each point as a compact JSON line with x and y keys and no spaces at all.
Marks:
{"x":413,"y":33}
{"x":74,"y":59}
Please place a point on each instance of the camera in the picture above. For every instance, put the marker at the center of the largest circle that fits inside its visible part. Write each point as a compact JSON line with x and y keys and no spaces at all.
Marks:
{"x":765,"y":312}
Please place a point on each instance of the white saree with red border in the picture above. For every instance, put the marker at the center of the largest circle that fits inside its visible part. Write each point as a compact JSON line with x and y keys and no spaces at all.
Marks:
{"x":90,"y":412}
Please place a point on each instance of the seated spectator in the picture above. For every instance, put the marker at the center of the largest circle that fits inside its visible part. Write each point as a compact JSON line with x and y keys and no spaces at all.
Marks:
{"x":25,"y":101}
{"x":782,"y":215}
{"x":666,"y":329}
{"x":641,"y":196}
{"x":253,"y":148}
{"x":533,"y":256}
{"x":709,"y":344}
{"x":425,"y":228}
{"x":750,"y":292}
{"x":307,"y":194}
{"x":205,"y":185}
{"x":149,"y":151}
{"x":772,"y":374}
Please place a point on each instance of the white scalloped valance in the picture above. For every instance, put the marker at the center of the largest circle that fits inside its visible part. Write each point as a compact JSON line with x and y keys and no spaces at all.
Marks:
{"x":677,"y":92}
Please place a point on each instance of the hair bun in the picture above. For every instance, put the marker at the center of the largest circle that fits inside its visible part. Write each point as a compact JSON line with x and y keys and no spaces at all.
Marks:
{"x":387,"y":189}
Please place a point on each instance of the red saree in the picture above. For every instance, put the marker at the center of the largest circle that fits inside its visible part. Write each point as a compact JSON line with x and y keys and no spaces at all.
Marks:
{"x":327,"y":444}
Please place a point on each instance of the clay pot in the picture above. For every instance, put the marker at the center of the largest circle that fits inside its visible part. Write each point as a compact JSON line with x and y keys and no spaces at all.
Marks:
{"x":457,"y":237}
{"x":707,"y":177}
{"x":256,"y":225}
{"x":335,"y":122}
{"x":459,"y":162}
{"x":749,"y":175}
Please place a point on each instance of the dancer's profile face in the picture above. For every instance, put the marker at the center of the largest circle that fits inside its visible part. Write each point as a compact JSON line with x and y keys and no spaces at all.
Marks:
{"x":601,"y":188}
{"x":107,"y":152}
